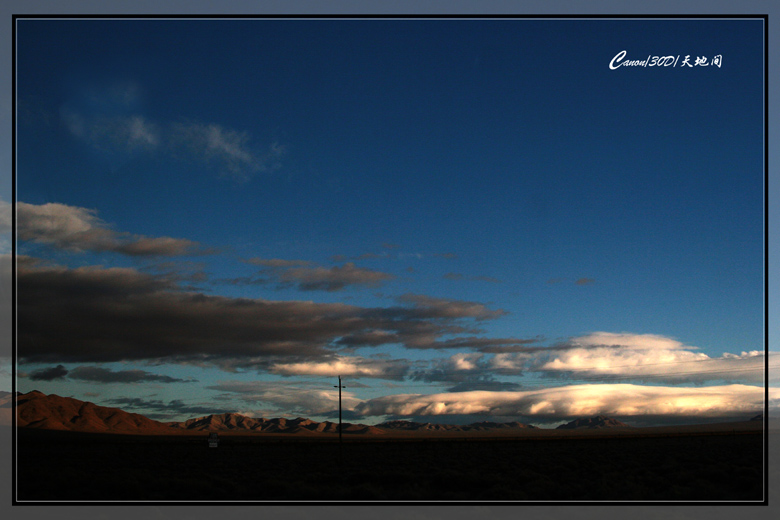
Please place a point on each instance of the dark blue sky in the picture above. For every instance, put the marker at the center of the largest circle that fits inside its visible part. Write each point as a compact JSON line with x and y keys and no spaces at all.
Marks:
{"x":497,"y":162}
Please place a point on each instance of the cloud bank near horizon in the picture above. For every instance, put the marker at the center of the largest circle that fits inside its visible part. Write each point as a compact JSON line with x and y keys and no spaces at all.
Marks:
{"x":580,"y":401}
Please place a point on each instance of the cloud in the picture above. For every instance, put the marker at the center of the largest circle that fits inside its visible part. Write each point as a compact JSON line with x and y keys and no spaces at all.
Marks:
{"x":304,"y":399}
{"x":579,"y":401}
{"x":333,"y":279}
{"x":229,"y":149}
{"x":111,"y":122}
{"x":49,"y":374}
{"x":446,"y":308}
{"x":277,"y":263}
{"x":80,"y":229}
{"x":158,"y":409}
{"x":603,"y":357}
{"x":470,"y":371}
{"x":486,"y":383}
{"x":614,"y":356}
{"x":104,"y":375}
{"x":344,"y":366}
{"x":308,"y":277}
{"x":112,"y":132}
{"x":95,"y":314}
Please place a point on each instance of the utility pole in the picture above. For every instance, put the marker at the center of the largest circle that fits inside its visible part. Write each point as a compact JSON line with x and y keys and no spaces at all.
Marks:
{"x":340,"y":387}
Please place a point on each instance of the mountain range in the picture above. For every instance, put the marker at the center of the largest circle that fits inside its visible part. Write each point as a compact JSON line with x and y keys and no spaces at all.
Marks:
{"x":234,"y":421}
{"x":592,"y":423}
{"x":38,"y":410}
{"x":478,"y":426}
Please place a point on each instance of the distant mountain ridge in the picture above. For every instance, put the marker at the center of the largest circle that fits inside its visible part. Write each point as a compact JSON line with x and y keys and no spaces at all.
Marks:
{"x":478,"y":426}
{"x":234,"y":421}
{"x":600,"y":421}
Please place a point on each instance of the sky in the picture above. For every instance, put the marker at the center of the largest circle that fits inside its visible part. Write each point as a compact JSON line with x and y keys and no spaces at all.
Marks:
{"x":466,"y":219}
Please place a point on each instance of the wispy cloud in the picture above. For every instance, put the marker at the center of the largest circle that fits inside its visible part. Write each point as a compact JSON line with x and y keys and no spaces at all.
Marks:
{"x":125,"y":133}
{"x":112,"y":124}
{"x":277,"y":263}
{"x":307,"y":276}
{"x":296,"y":398}
{"x":80,"y":229}
{"x":229,"y":150}
{"x":334,"y":278}
{"x":159,"y":409}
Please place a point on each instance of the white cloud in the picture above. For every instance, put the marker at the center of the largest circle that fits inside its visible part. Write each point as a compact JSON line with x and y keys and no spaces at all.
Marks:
{"x":610,"y":356}
{"x":344,"y":366}
{"x":580,"y":400}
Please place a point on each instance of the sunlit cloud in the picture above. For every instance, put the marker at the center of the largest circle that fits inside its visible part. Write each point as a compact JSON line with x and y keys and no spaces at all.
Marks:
{"x":612,"y":356}
{"x":579,"y":401}
{"x":345,"y":366}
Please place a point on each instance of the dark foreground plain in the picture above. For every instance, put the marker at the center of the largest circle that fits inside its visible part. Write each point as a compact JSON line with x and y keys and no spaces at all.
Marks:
{"x":724,"y":465}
